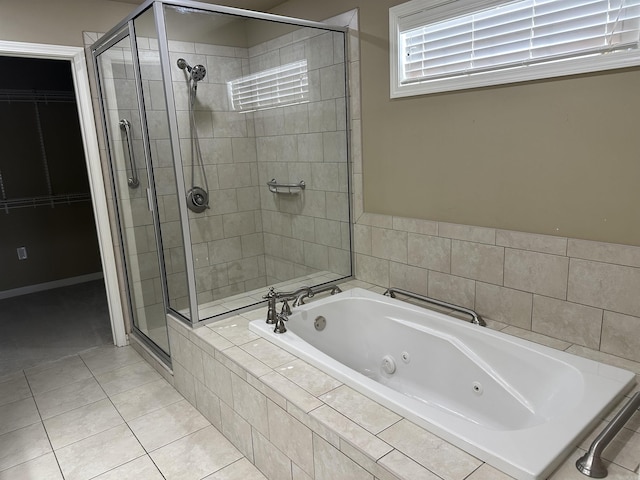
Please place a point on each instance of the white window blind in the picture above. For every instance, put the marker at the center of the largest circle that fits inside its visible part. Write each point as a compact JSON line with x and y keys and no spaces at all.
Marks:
{"x":275,"y":87}
{"x":516,"y":34}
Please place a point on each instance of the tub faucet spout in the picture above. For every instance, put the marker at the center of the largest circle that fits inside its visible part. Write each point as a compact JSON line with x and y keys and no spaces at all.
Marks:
{"x":296,"y":295}
{"x":333,"y":289}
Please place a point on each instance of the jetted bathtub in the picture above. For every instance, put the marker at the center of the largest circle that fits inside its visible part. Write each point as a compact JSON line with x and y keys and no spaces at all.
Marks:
{"x":519,"y":406}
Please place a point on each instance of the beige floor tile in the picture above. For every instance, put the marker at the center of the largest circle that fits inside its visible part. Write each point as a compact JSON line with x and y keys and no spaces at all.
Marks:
{"x":99,"y":453}
{"x":487,"y":472}
{"x":167,"y":424}
{"x":142,"y":468}
{"x":243,"y":469}
{"x":310,"y":378}
{"x":403,"y":467}
{"x":127,"y":377}
{"x":18,"y":414}
{"x":14,"y":388}
{"x":360,"y":409}
{"x":41,"y":468}
{"x":83,"y":422}
{"x":108,"y":358}
{"x":568,"y":470}
{"x":69,"y":397}
{"x":430,"y":451}
{"x":50,"y":376}
{"x":22,"y":445}
{"x":195,"y":456}
{"x":268,"y":353}
{"x":7,"y":377}
{"x":145,"y":399}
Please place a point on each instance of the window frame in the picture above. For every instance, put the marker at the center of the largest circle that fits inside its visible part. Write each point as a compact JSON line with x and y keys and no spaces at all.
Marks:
{"x":416,"y":13}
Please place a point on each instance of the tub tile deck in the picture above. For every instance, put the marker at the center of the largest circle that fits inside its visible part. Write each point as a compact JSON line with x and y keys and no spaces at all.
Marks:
{"x":395,"y":455}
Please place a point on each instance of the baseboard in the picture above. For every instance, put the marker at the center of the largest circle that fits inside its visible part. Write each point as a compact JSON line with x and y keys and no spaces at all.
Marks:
{"x":39,"y":287}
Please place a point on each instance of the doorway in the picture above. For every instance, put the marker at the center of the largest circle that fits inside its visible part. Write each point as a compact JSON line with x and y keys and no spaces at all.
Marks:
{"x":74,"y":57}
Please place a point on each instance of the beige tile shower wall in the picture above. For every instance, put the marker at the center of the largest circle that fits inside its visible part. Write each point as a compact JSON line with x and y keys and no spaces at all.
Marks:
{"x":582,"y":292}
{"x":138,"y":231}
{"x":309,"y":231}
{"x":227,"y":239}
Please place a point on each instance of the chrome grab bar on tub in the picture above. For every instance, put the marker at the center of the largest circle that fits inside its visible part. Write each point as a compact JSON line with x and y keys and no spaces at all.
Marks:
{"x":132,"y":181}
{"x":590,"y":464}
{"x":475,"y":318}
{"x":274,"y":186}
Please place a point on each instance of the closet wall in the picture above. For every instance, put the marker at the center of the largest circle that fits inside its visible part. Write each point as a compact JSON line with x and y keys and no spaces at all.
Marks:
{"x":45,"y":204}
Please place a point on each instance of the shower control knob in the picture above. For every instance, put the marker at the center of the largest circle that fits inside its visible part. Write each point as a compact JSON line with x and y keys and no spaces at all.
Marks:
{"x":197,"y":199}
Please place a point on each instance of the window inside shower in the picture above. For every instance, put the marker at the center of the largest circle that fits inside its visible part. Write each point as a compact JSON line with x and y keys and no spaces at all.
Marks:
{"x":249,"y":100}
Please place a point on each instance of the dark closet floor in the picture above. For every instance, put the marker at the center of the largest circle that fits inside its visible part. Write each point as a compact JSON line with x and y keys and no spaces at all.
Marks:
{"x":44,"y":326}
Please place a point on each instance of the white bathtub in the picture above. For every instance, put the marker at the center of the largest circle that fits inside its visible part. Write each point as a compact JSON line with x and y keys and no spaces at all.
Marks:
{"x":517,"y":405}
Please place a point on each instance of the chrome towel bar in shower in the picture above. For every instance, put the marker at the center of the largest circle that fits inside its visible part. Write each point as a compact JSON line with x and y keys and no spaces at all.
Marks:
{"x":275,"y":187}
{"x":132,"y":181}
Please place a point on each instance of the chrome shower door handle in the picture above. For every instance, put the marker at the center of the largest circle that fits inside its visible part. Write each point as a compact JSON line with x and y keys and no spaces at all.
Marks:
{"x":132,"y":181}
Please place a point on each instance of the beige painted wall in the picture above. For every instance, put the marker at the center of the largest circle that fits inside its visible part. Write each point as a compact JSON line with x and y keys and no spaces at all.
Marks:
{"x":557,"y":157}
{"x":554,"y":157}
{"x":58,"y":22}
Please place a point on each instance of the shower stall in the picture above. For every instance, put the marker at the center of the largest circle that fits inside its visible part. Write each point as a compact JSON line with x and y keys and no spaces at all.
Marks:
{"x":227,"y":140}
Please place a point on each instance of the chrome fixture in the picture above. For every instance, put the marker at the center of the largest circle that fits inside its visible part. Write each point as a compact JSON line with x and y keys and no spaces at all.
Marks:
{"x":591,"y":464}
{"x":280,"y":326}
{"x":475,"y":318}
{"x":197,"y":197}
{"x":197,"y":73}
{"x":298,"y":296}
{"x":275,"y":187}
{"x":132,"y":181}
{"x":314,"y":291}
{"x":272,"y":296}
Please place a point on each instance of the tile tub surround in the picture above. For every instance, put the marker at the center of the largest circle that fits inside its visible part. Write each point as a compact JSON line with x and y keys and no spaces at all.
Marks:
{"x":293,"y":421}
{"x":578,"y":291}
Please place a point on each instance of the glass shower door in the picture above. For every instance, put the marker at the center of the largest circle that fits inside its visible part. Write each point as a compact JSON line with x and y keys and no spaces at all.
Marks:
{"x":134,"y":196}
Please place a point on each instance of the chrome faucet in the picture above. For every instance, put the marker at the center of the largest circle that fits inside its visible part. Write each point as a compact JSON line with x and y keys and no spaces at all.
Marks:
{"x":278,"y":319}
{"x":298,"y":296}
{"x":327,"y":288}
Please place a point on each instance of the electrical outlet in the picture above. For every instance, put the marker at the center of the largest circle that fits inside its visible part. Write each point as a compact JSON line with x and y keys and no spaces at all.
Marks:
{"x":22,"y":253}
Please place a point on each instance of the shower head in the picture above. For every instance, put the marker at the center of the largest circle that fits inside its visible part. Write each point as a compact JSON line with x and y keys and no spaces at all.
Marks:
{"x":197,"y":73}
{"x":182,"y":64}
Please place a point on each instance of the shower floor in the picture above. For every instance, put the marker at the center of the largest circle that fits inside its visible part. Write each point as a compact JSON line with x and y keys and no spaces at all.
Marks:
{"x":227,"y":304}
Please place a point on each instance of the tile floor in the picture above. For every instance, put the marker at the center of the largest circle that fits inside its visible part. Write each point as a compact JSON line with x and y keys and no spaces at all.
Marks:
{"x":44,"y":326}
{"x":106,"y":414}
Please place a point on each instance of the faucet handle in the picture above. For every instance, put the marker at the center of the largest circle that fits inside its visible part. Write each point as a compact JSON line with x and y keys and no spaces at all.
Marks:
{"x":270,"y":294}
{"x":280,"y":327}
{"x":286,"y":310}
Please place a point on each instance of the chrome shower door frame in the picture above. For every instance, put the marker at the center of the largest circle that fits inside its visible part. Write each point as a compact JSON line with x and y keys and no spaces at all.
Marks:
{"x":128,"y":30}
{"x":161,"y":30}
